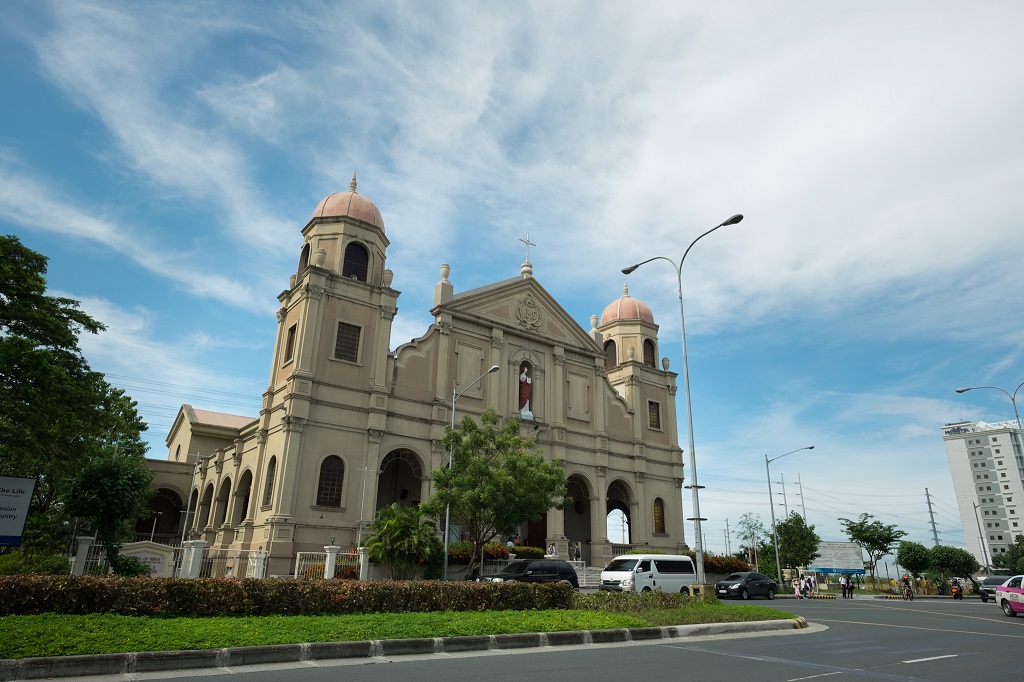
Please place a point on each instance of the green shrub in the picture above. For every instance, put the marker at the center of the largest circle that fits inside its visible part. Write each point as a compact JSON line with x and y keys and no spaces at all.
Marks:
{"x":130,"y":567}
{"x":523,"y":552}
{"x":460,"y":552}
{"x":27,"y":595}
{"x":17,"y":561}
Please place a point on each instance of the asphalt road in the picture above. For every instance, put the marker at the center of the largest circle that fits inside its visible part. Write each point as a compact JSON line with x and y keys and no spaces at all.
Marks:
{"x":848,"y":639}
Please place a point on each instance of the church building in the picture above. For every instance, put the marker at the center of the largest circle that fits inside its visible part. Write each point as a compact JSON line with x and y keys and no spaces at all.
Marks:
{"x":348,"y":427}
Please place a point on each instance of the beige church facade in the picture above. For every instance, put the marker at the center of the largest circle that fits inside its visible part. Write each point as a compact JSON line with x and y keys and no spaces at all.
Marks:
{"x":348,"y":427}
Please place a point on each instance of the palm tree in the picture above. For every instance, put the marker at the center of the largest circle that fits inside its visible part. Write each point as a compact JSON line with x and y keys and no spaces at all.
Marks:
{"x":400,"y":541}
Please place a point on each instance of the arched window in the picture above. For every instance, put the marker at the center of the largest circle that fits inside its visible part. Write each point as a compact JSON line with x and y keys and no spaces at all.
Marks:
{"x":328,"y":489}
{"x":611,"y":359}
{"x":659,"y":515}
{"x":304,"y":258}
{"x":356,"y":262}
{"x":649,"y":354}
{"x":268,"y":488}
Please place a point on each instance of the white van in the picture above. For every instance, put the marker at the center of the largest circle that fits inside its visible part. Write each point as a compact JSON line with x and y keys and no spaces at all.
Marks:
{"x":646,"y":572}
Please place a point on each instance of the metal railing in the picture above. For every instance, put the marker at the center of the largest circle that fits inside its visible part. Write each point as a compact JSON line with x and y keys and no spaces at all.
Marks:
{"x":310,"y":565}
{"x":227,"y":563}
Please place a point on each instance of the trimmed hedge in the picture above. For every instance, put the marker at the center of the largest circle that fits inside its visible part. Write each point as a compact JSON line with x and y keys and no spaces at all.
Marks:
{"x":35,"y":594}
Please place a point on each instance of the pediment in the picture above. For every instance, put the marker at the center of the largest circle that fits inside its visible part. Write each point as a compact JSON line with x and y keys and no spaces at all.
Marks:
{"x":521,"y":307}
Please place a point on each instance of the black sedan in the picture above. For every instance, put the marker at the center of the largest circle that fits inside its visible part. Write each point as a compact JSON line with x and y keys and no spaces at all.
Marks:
{"x":746,"y":585}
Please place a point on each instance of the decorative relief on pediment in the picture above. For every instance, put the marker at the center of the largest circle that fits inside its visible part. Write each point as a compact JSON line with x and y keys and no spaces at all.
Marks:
{"x":261,"y":437}
{"x":281,"y":312}
{"x":497,"y":342}
{"x":313,"y":292}
{"x":445,"y":327}
{"x":388,"y":312}
{"x":672,"y":390}
{"x":559,"y":360}
{"x":375,"y":435}
{"x":529,"y":314}
{"x":640,"y":477}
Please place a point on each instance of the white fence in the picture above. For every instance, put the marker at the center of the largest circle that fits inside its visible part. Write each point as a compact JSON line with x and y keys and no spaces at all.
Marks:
{"x":310,"y":565}
{"x":227,"y":563}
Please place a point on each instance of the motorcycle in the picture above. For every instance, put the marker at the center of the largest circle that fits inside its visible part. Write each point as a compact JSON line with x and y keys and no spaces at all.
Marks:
{"x":957,"y":590}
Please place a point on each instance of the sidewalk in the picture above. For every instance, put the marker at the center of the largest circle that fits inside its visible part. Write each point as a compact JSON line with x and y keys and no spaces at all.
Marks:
{"x":232,"y":658}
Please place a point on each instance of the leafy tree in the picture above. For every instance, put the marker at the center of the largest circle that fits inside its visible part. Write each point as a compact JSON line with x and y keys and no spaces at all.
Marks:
{"x":400,"y":540}
{"x":109,"y":493}
{"x":914,"y":557}
{"x":498,"y":480}
{"x":952,"y":561}
{"x":56,"y":414}
{"x":752,"y":533}
{"x":877,"y":538}
{"x":798,"y":543}
{"x":1013,"y":559}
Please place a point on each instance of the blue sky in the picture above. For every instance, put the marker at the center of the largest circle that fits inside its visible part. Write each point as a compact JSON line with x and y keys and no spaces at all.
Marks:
{"x":165,"y":155}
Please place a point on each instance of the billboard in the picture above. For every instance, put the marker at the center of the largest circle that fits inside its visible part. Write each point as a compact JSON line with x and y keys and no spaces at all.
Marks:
{"x":838,"y":557}
{"x":15,"y":497}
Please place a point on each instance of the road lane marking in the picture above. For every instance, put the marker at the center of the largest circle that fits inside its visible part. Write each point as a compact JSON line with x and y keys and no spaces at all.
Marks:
{"x":931,"y":658}
{"x":811,"y":677}
{"x":856,"y":672}
{"x":915,"y":627}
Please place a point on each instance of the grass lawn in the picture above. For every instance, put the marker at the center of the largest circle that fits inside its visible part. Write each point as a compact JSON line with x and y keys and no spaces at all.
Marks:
{"x":60,"y":635}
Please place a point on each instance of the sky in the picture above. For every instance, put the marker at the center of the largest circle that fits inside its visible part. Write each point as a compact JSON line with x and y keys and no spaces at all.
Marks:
{"x":165,"y":156}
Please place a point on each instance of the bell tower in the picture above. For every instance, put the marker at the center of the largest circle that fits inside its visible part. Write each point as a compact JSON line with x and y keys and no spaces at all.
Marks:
{"x":328,"y":395}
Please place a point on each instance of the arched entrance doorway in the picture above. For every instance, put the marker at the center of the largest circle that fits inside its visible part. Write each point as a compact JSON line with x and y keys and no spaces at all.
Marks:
{"x":165,"y":518}
{"x":577,"y":516}
{"x":399,"y":480}
{"x":618,"y":512}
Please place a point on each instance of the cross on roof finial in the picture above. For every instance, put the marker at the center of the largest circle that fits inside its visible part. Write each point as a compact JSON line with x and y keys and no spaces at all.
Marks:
{"x":528,"y":245}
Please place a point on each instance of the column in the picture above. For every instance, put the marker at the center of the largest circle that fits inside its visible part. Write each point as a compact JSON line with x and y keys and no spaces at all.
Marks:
{"x":332,"y":560}
{"x":84,"y":543}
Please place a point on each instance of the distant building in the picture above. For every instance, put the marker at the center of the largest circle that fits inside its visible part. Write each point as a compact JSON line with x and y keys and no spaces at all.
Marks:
{"x":348,"y":427}
{"x":987,"y":466}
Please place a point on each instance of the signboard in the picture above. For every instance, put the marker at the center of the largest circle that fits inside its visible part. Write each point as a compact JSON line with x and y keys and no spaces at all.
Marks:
{"x":15,"y":497}
{"x":838,"y":557}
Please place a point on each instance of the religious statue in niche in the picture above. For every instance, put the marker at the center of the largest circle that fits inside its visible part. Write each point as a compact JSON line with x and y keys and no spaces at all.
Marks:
{"x":525,"y":392}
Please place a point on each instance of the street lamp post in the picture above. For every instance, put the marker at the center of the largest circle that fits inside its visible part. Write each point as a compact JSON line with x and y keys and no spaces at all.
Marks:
{"x":456,"y":394}
{"x":1013,"y":401}
{"x":694,"y":488}
{"x":1020,"y":443}
{"x":771,"y":504}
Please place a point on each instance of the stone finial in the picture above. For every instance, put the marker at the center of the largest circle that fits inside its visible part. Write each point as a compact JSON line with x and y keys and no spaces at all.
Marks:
{"x":352,"y":185}
{"x":445,"y":271}
{"x":593,"y":322}
{"x":526,"y":270}
{"x":664,"y":363}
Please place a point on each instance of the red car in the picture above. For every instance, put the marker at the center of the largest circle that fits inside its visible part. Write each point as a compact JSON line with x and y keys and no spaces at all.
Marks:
{"x":1010,"y":596}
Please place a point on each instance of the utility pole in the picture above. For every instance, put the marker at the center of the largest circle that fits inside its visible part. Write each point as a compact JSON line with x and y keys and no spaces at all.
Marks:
{"x":802,"y":505}
{"x":785,"y":502}
{"x":931,"y":515}
{"x":728,"y":545}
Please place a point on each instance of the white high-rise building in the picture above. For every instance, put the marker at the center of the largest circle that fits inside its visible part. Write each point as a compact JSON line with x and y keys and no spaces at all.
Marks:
{"x":987,"y":466}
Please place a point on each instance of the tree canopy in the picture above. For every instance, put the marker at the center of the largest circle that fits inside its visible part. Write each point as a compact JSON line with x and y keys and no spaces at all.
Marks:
{"x":56,"y":414}
{"x":914,"y":557}
{"x":798,"y":543}
{"x":877,"y":538}
{"x":498,"y":479}
{"x":952,"y":561}
{"x":1013,"y":559}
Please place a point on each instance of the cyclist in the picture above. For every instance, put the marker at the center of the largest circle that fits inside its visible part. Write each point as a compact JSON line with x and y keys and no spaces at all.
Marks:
{"x":908,"y":591}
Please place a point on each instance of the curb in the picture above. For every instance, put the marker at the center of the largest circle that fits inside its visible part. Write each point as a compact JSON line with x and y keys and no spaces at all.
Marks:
{"x":16,"y":669}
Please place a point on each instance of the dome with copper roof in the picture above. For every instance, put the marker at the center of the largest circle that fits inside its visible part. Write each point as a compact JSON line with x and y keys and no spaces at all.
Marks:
{"x":627,"y":308}
{"x":350,"y":205}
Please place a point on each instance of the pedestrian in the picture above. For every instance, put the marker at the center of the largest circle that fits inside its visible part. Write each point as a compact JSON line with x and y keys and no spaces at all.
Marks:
{"x":843,"y":584}
{"x":796,"y":587}
{"x":551,"y":550}
{"x":806,"y":587}
{"x":814,"y":583}
{"x":579,"y":551}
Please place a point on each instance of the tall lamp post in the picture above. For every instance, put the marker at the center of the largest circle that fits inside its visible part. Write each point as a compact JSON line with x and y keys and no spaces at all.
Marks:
{"x":1020,"y":442}
{"x":686,"y":389}
{"x":1013,"y":401}
{"x":456,"y":394}
{"x":771,"y":504}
